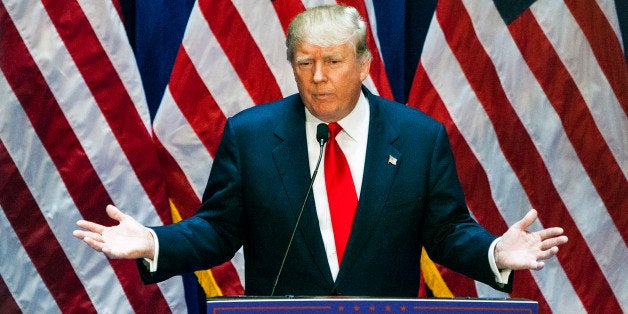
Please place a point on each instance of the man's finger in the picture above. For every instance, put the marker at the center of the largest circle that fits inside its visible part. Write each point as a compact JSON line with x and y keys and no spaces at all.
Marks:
{"x":91,"y":226}
{"x":527,"y":220}
{"x":94,"y":244}
{"x":553,"y":242}
{"x":115,"y":213}
{"x":547,"y":254}
{"x":82,"y":234}
{"x":79,"y":234}
{"x":550,"y":233}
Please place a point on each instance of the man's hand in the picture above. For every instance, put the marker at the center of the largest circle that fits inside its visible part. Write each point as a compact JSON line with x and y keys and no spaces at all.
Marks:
{"x":520,"y":249}
{"x":128,"y":240}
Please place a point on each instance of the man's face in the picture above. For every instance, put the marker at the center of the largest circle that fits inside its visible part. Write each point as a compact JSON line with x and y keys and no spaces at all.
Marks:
{"x":329,"y":79}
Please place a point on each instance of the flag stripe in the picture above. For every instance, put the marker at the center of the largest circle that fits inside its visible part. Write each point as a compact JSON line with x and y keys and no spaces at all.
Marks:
{"x":481,"y":203}
{"x":107,"y":157}
{"x":521,"y":155}
{"x":213,"y":66}
{"x":226,"y":24}
{"x":432,"y":277}
{"x":576,"y":119}
{"x":17,"y":65}
{"x":117,"y":49}
{"x":70,"y":89}
{"x":196,"y":103}
{"x":181,"y":142}
{"x":64,"y":148}
{"x":25,"y":284}
{"x":227,"y":279}
{"x":49,"y":191}
{"x":378,"y":71}
{"x":183,"y":196}
{"x":67,"y":85}
{"x":118,"y":7}
{"x":585,"y":71}
{"x":605,"y":44}
{"x":113,"y":99}
{"x":372,"y":23}
{"x":7,"y":302}
{"x":18,"y":205}
{"x":265,"y":28}
{"x":286,"y":11}
{"x":465,"y":286}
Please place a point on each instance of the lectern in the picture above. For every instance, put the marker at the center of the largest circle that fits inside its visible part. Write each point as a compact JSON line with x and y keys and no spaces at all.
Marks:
{"x":368,"y":305}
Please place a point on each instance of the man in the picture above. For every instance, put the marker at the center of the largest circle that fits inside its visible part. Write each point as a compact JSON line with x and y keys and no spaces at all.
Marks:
{"x":399,"y":190}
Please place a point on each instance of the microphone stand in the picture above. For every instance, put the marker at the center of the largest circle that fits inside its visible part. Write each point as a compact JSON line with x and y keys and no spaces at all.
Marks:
{"x":322,"y":134}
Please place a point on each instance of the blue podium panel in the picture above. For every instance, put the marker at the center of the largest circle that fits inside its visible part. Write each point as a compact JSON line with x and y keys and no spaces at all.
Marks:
{"x":369,"y":305}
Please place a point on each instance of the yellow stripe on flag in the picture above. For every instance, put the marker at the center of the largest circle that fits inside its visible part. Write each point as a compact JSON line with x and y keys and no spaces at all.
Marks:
{"x":205,"y":277}
{"x":432,"y":277}
{"x":176,"y":216}
{"x":207,"y":281}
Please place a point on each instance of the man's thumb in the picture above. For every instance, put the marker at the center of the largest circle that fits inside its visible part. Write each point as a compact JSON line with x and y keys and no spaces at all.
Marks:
{"x":114,"y":213}
{"x":527,"y":220}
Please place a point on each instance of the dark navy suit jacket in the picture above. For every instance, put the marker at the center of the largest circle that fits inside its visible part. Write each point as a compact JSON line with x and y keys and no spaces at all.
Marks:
{"x":259,"y":180}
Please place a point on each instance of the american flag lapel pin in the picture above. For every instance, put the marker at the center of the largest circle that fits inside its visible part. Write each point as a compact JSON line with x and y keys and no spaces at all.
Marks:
{"x":392,"y":160}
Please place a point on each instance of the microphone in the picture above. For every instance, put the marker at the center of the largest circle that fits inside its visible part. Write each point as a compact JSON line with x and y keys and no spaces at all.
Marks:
{"x":322,"y":135}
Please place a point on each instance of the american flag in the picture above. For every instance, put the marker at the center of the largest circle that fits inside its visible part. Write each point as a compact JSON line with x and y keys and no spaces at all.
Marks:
{"x":534,"y":101}
{"x":535,"y":98}
{"x":75,"y":135}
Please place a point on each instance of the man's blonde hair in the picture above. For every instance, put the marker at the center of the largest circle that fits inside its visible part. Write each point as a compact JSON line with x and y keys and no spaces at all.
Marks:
{"x":326,"y":26}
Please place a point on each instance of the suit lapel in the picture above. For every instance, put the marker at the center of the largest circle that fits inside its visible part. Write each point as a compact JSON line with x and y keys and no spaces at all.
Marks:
{"x":380,"y":168}
{"x":291,"y":160}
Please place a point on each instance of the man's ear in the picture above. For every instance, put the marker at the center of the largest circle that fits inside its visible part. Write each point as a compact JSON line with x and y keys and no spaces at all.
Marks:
{"x":365,"y":69}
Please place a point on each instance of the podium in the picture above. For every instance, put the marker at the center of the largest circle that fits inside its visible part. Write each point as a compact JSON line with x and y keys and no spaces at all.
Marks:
{"x":367,"y":305}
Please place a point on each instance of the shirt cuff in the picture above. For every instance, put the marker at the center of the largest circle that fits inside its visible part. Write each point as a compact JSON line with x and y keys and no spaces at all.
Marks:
{"x":152,"y":264}
{"x":501,"y":276}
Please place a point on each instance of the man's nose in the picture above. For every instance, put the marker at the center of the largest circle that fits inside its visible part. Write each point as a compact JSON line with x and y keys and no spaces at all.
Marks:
{"x":319,"y":72}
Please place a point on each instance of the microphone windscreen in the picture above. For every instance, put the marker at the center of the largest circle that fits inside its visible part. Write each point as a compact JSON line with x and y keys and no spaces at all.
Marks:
{"x":322,"y":132}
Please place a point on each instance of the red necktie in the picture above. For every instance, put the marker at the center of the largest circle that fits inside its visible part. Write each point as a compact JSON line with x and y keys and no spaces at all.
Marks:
{"x":343,"y":200}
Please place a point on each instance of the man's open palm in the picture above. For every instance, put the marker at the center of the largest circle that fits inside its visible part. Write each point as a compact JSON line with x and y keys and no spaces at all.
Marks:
{"x":521,"y":249}
{"x":128,"y":240}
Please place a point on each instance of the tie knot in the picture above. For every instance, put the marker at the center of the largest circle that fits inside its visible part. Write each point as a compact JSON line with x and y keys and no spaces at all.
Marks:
{"x":334,"y":129}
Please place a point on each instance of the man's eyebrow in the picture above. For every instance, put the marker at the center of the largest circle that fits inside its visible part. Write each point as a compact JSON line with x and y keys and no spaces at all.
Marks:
{"x":332,"y":55}
{"x":303,"y":58}
{"x":327,"y":55}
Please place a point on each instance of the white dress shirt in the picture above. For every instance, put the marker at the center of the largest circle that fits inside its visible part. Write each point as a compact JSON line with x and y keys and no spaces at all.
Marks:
{"x":352,"y":141}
